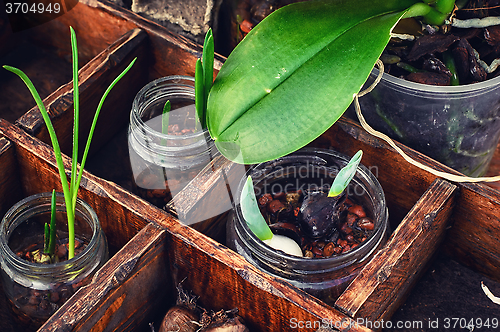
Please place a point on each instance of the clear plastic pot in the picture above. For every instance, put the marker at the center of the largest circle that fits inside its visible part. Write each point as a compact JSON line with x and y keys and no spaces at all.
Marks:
{"x":163,"y":163}
{"x":325,"y":278}
{"x":458,"y":126}
{"x":34,"y":290}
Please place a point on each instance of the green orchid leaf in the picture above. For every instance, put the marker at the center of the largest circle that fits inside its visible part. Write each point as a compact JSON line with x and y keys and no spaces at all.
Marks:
{"x":295,"y":74}
{"x":345,"y":175}
{"x":251,"y":212}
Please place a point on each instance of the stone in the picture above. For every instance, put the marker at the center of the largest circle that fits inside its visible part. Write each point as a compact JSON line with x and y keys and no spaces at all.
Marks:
{"x":191,"y":17}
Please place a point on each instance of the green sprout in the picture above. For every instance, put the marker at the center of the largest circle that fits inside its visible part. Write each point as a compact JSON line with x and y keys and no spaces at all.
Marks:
{"x":345,"y":175}
{"x":70,"y":190}
{"x":165,"y":116}
{"x":204,"y":73}
{"x":203,"y":77}
{"x":251,"y":212}
{"x":258,"y":225}
{"x":50,"y":229}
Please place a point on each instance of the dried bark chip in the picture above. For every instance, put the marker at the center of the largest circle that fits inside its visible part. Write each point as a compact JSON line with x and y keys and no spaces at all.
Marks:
{"x":492,"y":35}
{"x":461,"y":56}
{"x":429,"y":44}
{"x":429,"y":78}
{"x":467,"y":66}
{"x":468,"y":33}
{"x":435,"y":65}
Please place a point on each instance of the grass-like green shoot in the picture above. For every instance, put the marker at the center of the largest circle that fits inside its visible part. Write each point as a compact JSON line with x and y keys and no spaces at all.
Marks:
{"x":203,"y":78}
{"x":70,"y":190}
{"x":165,"y":115}
{"x":50,"y":229}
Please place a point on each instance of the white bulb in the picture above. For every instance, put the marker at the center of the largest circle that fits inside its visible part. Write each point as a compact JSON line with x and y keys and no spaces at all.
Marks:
{"x":284,"y":244}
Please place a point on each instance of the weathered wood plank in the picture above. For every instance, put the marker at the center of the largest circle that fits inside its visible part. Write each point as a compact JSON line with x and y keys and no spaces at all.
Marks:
{"x":10,"y":186}
{"x":203,"y":203}
{"x":494,"y":168}
{"x":172,"y":54}
{"x":383,"y":284}
{"x":124,"y":293}
{"x":96,"y":30}
{"x":474,"y":238}
{"x":224,"y":279}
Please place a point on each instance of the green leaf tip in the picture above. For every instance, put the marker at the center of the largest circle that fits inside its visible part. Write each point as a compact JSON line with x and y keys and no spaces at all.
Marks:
{"x":345,"y":175}
{"x":251,"y":212}
{"x":165,"y":117}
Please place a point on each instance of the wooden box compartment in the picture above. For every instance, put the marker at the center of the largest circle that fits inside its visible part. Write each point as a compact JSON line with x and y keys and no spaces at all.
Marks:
{"x":157,"y":251}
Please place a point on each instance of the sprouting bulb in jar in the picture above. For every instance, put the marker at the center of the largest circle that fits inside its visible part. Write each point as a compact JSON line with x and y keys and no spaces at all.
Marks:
{"x":320,"y":212}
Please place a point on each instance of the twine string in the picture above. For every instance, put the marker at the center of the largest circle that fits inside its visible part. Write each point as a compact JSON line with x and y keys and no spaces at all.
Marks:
{"x":369,"y":129}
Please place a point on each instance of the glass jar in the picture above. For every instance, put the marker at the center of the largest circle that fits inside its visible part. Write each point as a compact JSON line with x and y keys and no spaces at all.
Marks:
{"x":325,"y":278}
{"x":163,"y":163}
{"x":455,"y":125}
{"x":35,"y":290}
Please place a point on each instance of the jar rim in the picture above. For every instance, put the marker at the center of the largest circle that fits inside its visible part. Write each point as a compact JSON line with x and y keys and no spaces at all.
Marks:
{"x":362,"y":173}
{"x":434,"y":89}
{"x":186,"y":83}
{"x":90,"y":217}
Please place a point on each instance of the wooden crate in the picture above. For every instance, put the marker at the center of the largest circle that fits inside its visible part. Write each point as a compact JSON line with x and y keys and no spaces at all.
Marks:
{"x":153,"y":251}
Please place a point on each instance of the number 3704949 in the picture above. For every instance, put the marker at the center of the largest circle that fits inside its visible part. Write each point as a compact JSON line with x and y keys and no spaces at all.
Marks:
{"x":479,"y":323}
{"x":25,"y":8}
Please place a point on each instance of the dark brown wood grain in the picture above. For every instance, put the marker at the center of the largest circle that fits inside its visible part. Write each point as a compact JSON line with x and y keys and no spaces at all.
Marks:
{"x":172,"y":54}
{"x":474,"y":238}
{"x":494,"y":169}
{"x":381,"y":286}
{"x":10,"y":186}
